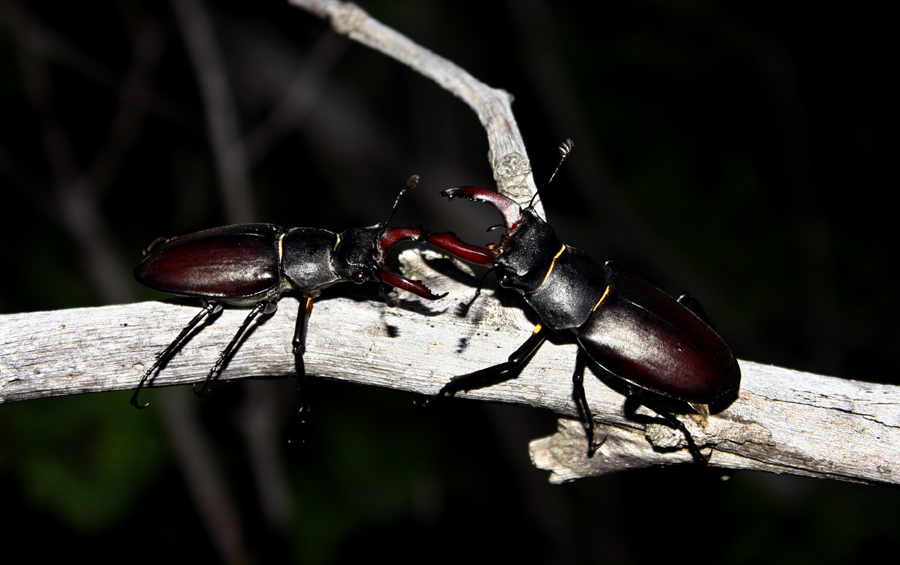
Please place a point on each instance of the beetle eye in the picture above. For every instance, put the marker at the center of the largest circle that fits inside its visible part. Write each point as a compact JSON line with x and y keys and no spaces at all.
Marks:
{"x":504,"y":281}
{"x":358,"y":277}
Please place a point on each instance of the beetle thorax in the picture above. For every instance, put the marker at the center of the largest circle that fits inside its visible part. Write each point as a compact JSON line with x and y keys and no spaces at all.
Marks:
{"x":306,"y":258}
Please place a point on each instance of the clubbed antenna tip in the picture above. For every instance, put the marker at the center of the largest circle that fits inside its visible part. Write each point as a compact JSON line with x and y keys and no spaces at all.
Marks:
{"x":564,"y":149}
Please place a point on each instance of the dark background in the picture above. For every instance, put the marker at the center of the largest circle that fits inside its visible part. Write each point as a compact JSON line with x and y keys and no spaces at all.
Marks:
{"x":738,"y":150}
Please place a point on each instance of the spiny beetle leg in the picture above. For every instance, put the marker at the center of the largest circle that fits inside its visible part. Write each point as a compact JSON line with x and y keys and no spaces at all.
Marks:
{"x":582,"y":404}
{"x":299,"y":343}
{"x":692,"y":446}
{"x":635,"y":401}
{"x":266,"y":308}
{"x":495,"y":374}
{"x":210,"y":308}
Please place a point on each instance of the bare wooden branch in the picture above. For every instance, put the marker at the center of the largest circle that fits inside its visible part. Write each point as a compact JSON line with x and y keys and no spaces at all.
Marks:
{"x":784,"y":421}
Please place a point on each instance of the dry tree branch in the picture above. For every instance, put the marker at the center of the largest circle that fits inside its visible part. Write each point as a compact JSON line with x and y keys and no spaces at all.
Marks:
{"x":784,"y":421}
{"x":507,"y":154}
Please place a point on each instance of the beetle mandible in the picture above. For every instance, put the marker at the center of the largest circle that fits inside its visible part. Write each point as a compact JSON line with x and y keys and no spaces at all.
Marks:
{"x":254,"y":264}
{"x":660,"y":350}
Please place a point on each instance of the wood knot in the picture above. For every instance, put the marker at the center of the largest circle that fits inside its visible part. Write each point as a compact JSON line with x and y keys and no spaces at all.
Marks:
{"x":347,"y":17}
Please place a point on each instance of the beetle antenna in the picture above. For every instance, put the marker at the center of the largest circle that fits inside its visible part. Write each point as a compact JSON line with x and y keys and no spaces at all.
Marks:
{"x":411,"y":183}
{"x":564,"y":149}
{"x":530,"y":204}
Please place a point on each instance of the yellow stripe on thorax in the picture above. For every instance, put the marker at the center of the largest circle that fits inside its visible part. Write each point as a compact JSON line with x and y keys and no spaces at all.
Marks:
{"x":550,"y":270}
{"x":602,"y":298}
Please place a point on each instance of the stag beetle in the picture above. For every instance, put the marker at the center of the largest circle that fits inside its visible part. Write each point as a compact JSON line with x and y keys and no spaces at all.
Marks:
{"x":254,"y":264}
{"x":655,"y":349}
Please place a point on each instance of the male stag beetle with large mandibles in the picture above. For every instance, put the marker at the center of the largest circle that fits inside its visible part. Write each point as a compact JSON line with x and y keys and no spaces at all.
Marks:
{"x":254,"y":264}
{"x":659,"y":351}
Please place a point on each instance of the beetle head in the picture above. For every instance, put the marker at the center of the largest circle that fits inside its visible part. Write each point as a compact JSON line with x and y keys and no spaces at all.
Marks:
{"x":360,"y":257}
{"x":525,"y":256}
{"x":522,"y":257}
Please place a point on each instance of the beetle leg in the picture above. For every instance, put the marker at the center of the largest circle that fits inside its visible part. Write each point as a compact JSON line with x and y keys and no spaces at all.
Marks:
{"x":497,"y":373}
{"x":210,"y":308}
{"x":299,"y":343}
{"x":266,"y":308}
{"x":673,"y":421}
{"x":692,"y":447}
{"x":581,"y":402}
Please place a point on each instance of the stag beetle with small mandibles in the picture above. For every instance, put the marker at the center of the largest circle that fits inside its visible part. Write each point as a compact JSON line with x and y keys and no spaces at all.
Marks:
{"x":254,"y":264}
{"x":657,"y":350}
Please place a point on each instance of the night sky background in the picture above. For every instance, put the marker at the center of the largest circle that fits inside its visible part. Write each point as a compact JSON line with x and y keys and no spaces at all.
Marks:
{"x":736,"y":150}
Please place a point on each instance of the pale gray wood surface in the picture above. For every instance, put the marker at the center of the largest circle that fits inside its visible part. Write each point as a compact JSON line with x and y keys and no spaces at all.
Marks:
{"x":784,"y":421}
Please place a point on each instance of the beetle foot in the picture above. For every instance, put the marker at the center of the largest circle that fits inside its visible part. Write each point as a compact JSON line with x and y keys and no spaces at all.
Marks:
{"x":674,"y":429}
{"x":429,"y":401}
{"x":698,"y":456}
{"x":593,"y":446}
{"x":204,"y":390}
{"x":134,"y":400}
